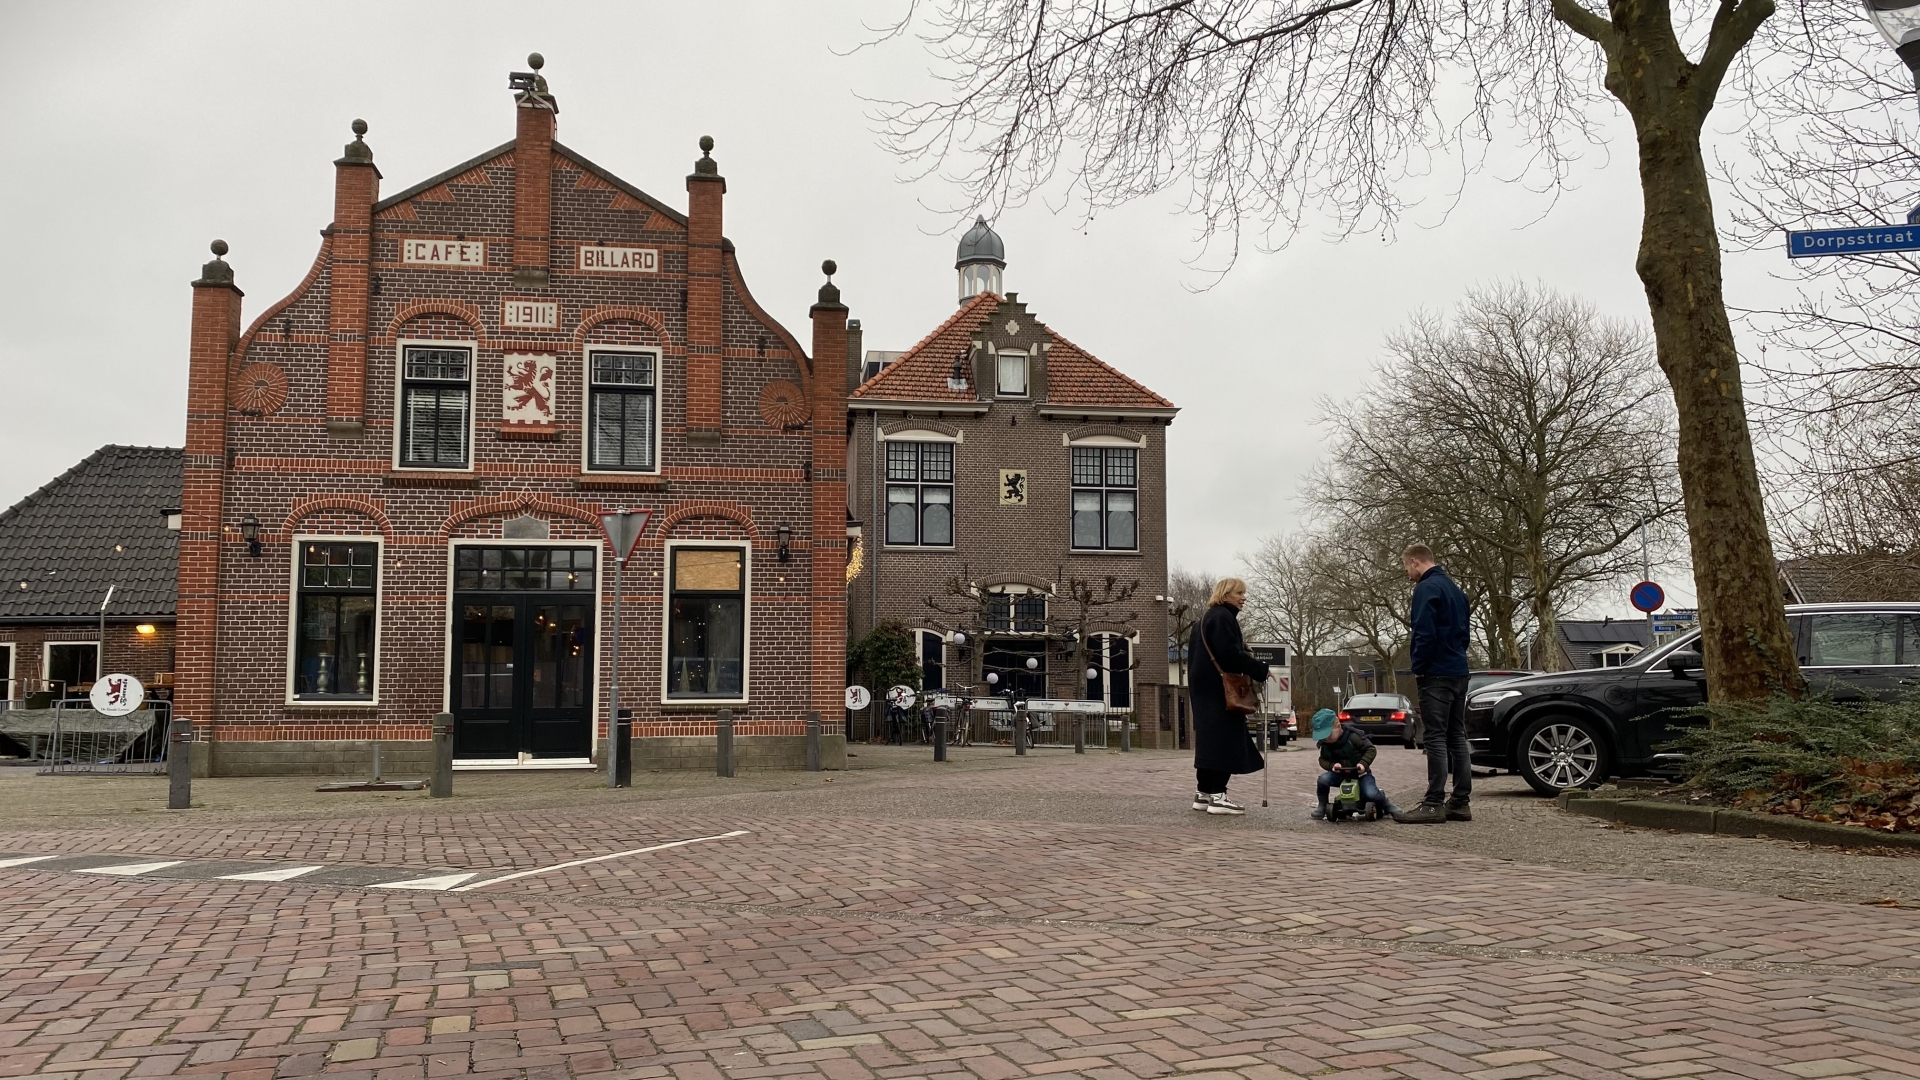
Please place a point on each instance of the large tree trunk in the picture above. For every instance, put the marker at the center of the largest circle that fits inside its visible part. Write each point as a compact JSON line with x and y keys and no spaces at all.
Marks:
{"x":1743,"y":626}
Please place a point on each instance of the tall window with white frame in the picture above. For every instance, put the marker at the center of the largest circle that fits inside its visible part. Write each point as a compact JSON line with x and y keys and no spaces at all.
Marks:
{"x":919,"y":494}
{"x":1012,"y":374}
{"x":622,"y":406}
{"x":334,"y":622}
{"x":933,"y":659}
{"x":1106,"y":498}
{"x":1110,"y":657}
{"x":436,"y":406}
{"x":707,"y":623}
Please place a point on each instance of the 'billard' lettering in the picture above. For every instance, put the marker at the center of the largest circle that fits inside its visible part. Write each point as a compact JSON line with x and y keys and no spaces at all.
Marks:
{"x":620,"y":259}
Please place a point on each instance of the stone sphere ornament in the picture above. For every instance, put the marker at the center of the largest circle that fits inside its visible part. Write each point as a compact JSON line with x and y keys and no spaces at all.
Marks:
{"x":260,"y":389}
{"x":783,"y":405}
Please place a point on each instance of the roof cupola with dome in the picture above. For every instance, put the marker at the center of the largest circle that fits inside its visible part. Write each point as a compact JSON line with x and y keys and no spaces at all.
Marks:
{"x":981,"y":259}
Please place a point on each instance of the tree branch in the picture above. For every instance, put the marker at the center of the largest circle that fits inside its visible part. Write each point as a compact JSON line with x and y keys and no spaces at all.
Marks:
{"x":1585,"y":23}
{"x":1733,"y":28}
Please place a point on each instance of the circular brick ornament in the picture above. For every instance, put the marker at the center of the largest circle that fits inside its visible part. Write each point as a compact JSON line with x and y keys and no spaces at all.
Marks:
{"x":783,"y":405}
{"x":260,"y":389}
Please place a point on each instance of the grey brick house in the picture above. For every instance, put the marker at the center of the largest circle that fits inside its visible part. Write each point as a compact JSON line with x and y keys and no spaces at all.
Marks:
{"x":998,"y":451}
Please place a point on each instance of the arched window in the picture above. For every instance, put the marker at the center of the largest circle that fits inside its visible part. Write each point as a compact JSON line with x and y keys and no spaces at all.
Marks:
{"x":933,"y":659}
{"x":1110,"y":657}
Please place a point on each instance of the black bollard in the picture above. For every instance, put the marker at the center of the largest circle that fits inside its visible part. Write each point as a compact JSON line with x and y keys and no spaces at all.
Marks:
{"x":813,"y":742}
{"x":180,"y":765}
{"x":623,"y":748}
{"x":442,"y":784}
{"x":1079,"y":734}
{"x":940,"y":737}
{"x":1019,"y":733}
{"x":723,"y":744}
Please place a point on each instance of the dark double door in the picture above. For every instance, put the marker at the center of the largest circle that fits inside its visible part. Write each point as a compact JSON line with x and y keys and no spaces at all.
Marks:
{"x":522,"y":675}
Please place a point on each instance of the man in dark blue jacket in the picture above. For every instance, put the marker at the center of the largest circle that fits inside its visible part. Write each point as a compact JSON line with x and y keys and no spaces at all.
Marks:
{"x":1439,"y":647}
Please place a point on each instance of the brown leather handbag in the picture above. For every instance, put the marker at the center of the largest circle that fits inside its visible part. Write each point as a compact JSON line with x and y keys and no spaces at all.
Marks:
{"x":1241,"y":697}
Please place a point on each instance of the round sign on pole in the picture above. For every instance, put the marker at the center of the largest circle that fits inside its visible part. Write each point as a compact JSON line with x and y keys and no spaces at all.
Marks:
{"x":117,"y":695}
{"x":1647,"y":596}
{"x":858,"y":697}
{"x":901,"y":696}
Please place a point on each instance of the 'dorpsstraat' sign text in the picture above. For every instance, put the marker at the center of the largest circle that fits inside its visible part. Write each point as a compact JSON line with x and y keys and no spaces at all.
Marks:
{"x":623,"y":260}
{"x":1816,"y":242}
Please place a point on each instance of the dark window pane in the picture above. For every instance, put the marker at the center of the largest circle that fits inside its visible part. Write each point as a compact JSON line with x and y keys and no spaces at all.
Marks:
{"x":936,"y":461}
{"x":1086,"y":519}
{"x":316,"y":651}
{"x":937,"y":517}
{"x":933,"y":657}
{"x":356,"y":646}
{"x":902,"y":516}
{"x":466,"y":557}
{"x":466,"y":579}
{"x":447,"y":365}
{"x":622,"y":369}
{"x":1122,"y":467}
{"x":1119,"y":673}
{"x":1121,"y":533}
{"x":1865,"y":640}
{"x":903,"y":461}
{"x":999,"y":612}
{"x":1087,"y":470}
{"x":706,"y":639}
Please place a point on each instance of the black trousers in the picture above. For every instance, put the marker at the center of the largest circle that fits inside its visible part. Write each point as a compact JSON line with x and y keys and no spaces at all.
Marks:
{"x":1211,"y":781}
{"x":1443,"y":709}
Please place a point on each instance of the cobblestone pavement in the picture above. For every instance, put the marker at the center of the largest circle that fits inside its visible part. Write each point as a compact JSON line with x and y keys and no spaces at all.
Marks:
{"x":985,"y":920}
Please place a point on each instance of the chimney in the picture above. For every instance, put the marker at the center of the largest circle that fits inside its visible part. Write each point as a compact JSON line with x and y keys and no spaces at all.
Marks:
{"x":214,"y":331}
{"x":855,"y":357}
{"x":532,"y":174}
{"x":356,"y":187}
{"x":705,"y":188}
{"x":827,"y":547}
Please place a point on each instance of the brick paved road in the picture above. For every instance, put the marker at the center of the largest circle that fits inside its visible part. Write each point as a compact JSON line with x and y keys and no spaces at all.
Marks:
{"x":898,"y":942}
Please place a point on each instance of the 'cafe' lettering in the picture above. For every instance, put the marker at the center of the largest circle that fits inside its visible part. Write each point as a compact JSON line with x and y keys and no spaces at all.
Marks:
{"x":443,"y":252}
{"x":624,"y":260}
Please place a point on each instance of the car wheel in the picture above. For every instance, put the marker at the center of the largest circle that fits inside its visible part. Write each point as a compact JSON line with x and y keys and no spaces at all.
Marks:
{"x":1561,"y":753}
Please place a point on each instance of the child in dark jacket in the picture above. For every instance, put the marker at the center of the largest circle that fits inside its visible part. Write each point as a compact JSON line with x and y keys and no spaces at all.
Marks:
{"x":1344,"y":752}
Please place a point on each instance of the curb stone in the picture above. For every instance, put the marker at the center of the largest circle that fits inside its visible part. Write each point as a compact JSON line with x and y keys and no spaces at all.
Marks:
{"x":1681,"y":817}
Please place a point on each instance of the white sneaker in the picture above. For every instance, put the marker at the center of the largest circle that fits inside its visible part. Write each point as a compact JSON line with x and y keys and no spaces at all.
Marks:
{"x":1219,"y":804}
{"x":1201,"y":800}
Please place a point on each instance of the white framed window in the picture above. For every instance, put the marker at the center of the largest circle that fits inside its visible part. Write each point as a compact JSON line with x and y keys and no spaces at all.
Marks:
{"x":333,"y":640}
{"x":919,"y":493}
{"x":1012,"y":374}
{"x":1106,"y":498}
{"x":623,"y":411}
{"x":434,"y":406}
{"x":933,"y":659}
{"x":708,"y":629}
{"x":69,"y":665}
{"x":1110,"y":657}
{"x":8,"y":692}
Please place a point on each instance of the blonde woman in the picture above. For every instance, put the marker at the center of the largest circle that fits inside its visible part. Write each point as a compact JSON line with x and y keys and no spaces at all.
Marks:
{"x":1222,"y":743}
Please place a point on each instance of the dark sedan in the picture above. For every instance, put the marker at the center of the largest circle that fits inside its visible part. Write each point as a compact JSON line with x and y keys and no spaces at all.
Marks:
{"x":1383,"y":717}
{"x":1574,"y":729}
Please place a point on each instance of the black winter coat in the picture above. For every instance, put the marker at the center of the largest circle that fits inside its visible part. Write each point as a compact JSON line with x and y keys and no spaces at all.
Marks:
{"x":1221,"y":740}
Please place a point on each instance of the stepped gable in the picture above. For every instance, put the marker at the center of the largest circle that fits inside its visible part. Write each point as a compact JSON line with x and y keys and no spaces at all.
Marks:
{"x":60,"y":541}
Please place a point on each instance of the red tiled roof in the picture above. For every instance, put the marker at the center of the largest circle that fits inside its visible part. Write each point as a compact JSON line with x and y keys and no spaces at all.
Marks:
{"x":1074,"y":376}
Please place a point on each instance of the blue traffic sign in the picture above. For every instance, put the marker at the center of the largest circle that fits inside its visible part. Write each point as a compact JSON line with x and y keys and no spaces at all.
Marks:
{"x":1648,"y":597}
{"x":1814,"y":243}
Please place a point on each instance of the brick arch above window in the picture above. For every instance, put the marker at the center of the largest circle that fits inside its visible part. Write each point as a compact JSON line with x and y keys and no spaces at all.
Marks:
{"x":419,"y":309}
{"x":516,"y":502}
{"x":1104,"y":435}
{"x":593,"y":318}
{"x":685,"y":513}
{"x":999,"y":582}
{"x":370,"y":508}
{"x":921,"y":428}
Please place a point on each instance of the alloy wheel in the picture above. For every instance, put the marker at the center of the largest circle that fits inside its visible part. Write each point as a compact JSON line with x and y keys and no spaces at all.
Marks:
{"x":1564,"y":756}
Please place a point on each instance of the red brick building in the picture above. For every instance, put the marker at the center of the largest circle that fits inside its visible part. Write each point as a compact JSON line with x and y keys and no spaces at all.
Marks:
{"x":393,"y":477}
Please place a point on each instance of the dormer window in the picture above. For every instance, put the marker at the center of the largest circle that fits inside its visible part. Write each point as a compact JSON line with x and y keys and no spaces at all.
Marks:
{"x":1013,"y":374}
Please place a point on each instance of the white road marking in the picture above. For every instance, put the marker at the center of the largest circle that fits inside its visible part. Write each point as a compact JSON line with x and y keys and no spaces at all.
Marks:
{"x":284,"y":873}
{"x":432,"y":884}
{"x":600,"y":858}
{"x":24,"y":860}
{"x":130,"y":869}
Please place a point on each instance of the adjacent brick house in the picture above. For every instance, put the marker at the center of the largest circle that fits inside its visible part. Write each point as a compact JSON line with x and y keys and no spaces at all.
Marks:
{"x":109,"y":524}
{"x":999,"y":450}
{"x":393,"y":477}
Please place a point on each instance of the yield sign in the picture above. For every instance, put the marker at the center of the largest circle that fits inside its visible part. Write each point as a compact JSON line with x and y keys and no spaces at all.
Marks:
{"x":623,"y":529}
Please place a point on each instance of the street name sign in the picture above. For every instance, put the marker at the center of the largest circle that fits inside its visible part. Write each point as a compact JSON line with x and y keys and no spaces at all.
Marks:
{"x":1814,"y":243}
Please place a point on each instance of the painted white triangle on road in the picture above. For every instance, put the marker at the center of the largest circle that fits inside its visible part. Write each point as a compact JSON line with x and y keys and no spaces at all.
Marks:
{"x":130,"y":869}
{"x":24,"y":860}
{"x":432,"y":884}
{"x":283,"y":873}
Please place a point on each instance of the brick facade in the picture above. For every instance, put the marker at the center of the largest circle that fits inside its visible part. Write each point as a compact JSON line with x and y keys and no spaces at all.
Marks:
{"x":945,"y":388}
{"x":295,"y":424}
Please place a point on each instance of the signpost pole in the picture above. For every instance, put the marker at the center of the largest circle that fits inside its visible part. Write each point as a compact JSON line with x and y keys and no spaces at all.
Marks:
{"x":613,"y":692}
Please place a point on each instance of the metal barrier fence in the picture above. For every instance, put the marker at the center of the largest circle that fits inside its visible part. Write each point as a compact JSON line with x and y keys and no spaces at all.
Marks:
{"x":72,"y":738}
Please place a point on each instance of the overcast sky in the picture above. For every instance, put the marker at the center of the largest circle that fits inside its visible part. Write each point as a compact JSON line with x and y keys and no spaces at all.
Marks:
{"x":139,"y":132}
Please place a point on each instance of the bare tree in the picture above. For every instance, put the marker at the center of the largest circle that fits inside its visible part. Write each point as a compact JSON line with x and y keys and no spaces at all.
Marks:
{"x":1262,"y":110}
{"x":1358,"y":564}
{"x":1527,"y":440}
{"x":1287,"y":598}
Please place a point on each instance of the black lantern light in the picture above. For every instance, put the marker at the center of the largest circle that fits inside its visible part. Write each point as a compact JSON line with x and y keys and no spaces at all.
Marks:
{"x":1899,"y":22}
{"x":250,"y":532}
{"x":786,"y":543}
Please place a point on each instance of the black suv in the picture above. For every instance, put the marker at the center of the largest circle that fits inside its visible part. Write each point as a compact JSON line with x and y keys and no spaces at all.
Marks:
{"x":1573,"y":729}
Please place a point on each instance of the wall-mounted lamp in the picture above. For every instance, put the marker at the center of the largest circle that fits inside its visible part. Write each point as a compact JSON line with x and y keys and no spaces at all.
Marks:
{"x":956,"y":638}
{"x":1092,"y":674}
{"x":786,"y":543}
{"x":250,"y":532}
{"x":146,"y":629}
{"x":1033,"y":663}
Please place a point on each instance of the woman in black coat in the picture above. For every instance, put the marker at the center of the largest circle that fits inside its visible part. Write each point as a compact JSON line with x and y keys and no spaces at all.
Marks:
{"x":1222,"y":742}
